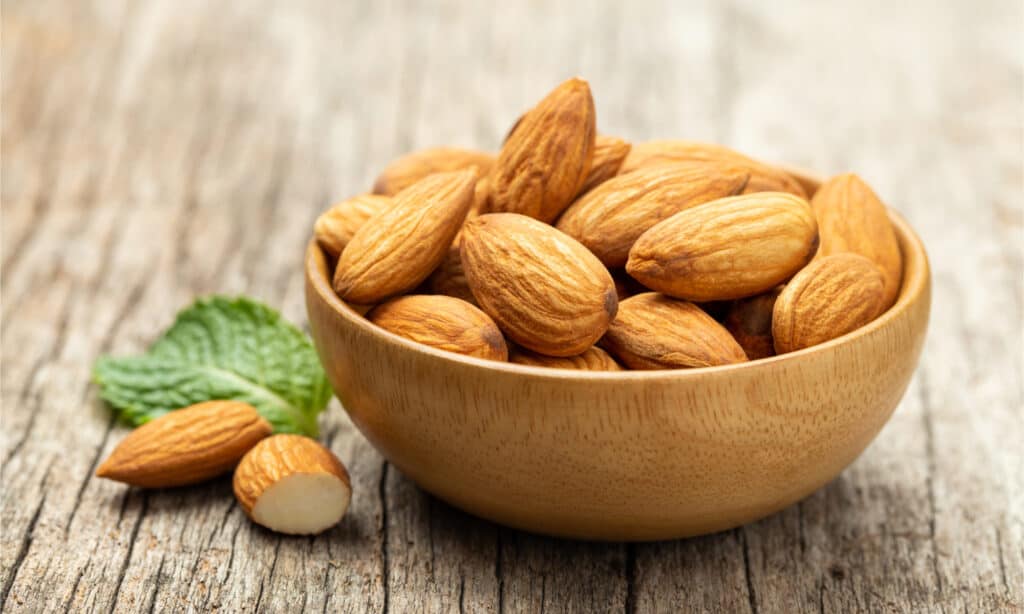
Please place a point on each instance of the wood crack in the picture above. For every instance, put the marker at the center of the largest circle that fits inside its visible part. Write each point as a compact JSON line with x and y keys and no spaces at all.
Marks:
{"x":748,"y":576}
{"x":132,"y":540}
{"x":383,"y":534}
{"x":630,"y":603}
{"x":19,"y":558}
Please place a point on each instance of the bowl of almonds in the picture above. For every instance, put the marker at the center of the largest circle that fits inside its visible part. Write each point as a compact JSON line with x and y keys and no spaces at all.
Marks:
{"x":591,"y":338}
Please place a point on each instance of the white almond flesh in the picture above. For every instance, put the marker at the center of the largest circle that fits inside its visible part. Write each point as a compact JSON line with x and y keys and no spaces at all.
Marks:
{"x":292,"y":484}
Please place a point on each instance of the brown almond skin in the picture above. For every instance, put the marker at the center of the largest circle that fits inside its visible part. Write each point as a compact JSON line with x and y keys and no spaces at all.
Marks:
{"x":851,"y":218}
{"x":763,"y":177}
{"x":749,"y":321}
{"x":593,"y":359}
{"x":278,"y":457}
{"x":336,"y":226}
{"x":830,"y":297}
{"x":548,"y":156}
{"x":186,"y":446}
{"x":609,"y":153}
{"x":547,"y":292}
{"x":449,"y":278}
{"x":442,"y":322}
{"x":728,"y":248}
{"x":394,"y":251}
{"x":410,"y":168}
{"x":654,"y":331}
{"x":609,"y":219}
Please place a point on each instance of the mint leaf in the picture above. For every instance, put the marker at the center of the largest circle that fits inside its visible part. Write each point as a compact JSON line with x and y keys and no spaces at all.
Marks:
{"x":221,"y":348}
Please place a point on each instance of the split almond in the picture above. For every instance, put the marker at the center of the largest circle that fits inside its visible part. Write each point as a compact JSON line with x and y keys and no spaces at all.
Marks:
{"x":336,"y":226}
{"x":593,"y":359}
{"x":186,"y":446}
{"x":396,"y":250}
{"x":292,"y":484}
{"x":726,"y":249}
{"x":409,"y":169}
{"x":851,"y":218}
{"x":653,"y":331}
{"x":610,"y":218}
{"x":830,"y":297}
{"x":547,"y":292}
{"x":763,"y":177}
{"x":442,"y":322}
{"x":548,"y":155}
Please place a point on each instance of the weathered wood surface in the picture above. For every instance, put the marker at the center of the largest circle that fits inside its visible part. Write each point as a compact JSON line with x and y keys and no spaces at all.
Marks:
{"x":153,"y":151}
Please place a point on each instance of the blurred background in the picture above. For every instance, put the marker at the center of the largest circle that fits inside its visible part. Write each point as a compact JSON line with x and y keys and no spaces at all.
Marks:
{"x":158,"y":150}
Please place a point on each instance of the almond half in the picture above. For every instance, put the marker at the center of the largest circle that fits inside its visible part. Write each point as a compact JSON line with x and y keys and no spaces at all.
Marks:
{"x":292,"y":484}
{"x":186,"y":446}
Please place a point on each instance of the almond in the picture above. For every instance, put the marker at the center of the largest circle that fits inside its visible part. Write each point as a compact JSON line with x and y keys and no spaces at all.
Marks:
{"x":763,"y":177}
{"x":830,"y":297}
{"x":292,"y":484}
{"x":547,"y":292}
{"x":336,"y":226}
{"x":398,"y":249}
{"x":653,"y":331}
{"x":442,"y":322}
{"x":851,"y":218}
{"x":610,"y":218}
{"x":728,"y":248}
{"x":609,"y":153}
{"x":749,"y":321}
{"x":409,"y":169}
{"x":186,"y":446}
{"x":449,"y":278}
{"x":593,"y":359}
{"x":548,"y":156}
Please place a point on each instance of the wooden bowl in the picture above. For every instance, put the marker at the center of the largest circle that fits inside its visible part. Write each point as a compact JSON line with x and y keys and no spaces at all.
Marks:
{"x":634,"y":455}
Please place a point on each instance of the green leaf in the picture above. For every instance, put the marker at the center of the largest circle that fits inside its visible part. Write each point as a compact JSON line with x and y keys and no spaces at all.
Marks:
{"x":221,"y":348}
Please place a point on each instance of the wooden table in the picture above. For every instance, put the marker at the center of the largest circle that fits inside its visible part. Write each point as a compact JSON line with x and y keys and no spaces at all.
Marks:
{"x":155,"y":151}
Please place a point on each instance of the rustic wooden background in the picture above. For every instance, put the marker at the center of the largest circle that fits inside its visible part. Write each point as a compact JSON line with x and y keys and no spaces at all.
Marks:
{"x":155,"y":151}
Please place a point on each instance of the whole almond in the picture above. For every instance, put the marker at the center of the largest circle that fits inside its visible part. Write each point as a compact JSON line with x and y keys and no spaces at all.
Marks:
{"x":610,"y":218}
{"x":653,"y":331}
{"x":186,"y":446}
{"x":410,"y":168}
{"x":396,"y":250}
{"x":292,"y":484}
{"x":336,"y":226}
{"x":593,"y":359}
{"x":609,"y":153}
{"x":851,"y":218}
{"x":442,"y":322}
{"x":763,"y":177}
{"x":547,"y":292}
{"x":749,"y":321}
{"x":728,"y":248}
{"x":830,"y":297}
{"x":548,"y":156}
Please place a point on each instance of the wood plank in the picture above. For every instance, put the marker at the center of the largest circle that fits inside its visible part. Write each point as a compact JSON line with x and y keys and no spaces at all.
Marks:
{"x":146,"y":161}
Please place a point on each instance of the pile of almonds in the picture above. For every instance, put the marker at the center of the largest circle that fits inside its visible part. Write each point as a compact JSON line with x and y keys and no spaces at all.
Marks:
{"x":576,"y":250}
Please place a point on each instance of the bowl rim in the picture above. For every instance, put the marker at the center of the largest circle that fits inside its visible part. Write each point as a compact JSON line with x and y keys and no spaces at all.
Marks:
{"x":914,"y":283}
